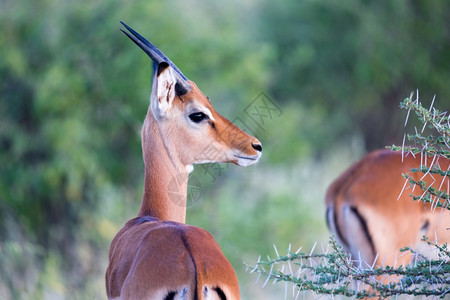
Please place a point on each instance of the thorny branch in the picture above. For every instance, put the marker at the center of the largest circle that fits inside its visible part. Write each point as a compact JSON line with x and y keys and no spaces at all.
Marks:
{"x":336,"y":273}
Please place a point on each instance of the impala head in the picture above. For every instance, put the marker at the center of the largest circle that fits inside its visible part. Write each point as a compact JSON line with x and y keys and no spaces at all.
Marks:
{"x":192,"y":131}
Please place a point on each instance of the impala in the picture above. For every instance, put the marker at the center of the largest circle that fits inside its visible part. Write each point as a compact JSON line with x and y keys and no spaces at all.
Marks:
{"x":156,"y":255}
{"x":370,"y":210}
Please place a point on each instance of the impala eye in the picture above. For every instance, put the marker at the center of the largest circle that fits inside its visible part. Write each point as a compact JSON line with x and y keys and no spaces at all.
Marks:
{"x":197,"y":117}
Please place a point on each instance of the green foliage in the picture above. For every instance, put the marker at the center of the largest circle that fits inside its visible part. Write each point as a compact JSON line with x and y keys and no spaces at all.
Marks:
{"x":438,"y":121}
{"x":354,"y":59}
{"x":430,"y":146}
{"x":335,"y":273}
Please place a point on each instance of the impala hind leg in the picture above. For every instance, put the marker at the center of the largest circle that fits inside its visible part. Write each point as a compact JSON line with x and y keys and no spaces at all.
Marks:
{"x":351,"y":231}
{"x":358,"y":236}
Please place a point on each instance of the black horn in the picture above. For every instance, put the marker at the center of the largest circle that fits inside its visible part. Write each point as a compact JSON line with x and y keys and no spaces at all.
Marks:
{"x":155,"y":54}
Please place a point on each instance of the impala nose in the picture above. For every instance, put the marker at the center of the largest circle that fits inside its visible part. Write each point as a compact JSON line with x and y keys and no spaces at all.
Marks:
{"x":257,"y":147}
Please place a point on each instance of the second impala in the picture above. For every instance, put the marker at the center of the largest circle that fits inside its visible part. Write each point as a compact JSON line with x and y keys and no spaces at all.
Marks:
{"x":371,"y":213}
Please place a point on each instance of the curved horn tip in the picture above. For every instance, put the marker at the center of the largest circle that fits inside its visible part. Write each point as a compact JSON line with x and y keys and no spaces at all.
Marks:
{"x":155,"y":54}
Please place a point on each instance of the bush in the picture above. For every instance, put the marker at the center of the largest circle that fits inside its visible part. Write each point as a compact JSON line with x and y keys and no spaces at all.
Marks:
{"x":334,"y":272}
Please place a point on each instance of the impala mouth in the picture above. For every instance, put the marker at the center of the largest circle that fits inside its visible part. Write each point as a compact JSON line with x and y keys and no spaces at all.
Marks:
{"x":246,"y":161}
{"x":244,"y":157}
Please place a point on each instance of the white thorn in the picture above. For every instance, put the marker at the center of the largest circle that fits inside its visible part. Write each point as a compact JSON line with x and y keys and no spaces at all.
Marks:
{"x":403,"y":147}
{"x":432,"y":101}
{"x":257,"y":278}
{"x":312,"y":250}
{"x":268,"y":276}
{"x":407,"y":117}
{"x":285,"y":290}
{"x":276,"y":251}
{"x":404,"y":186}
{"x":373,"y":264}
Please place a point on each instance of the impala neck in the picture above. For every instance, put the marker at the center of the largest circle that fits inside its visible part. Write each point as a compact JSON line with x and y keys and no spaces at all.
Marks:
{"x":165,"y":187}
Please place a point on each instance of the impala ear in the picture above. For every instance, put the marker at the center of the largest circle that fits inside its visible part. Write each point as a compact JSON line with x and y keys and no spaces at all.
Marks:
{"x":163,"y":91}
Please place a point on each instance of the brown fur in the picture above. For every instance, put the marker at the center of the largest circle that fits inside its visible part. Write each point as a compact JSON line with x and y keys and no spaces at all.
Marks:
{"x":364,"y":213}
{"x":166,"y":255}
{"x":157,"y":256}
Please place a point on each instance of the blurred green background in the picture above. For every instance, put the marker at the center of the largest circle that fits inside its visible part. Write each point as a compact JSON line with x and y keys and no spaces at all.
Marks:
{"x":74,"y":92}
